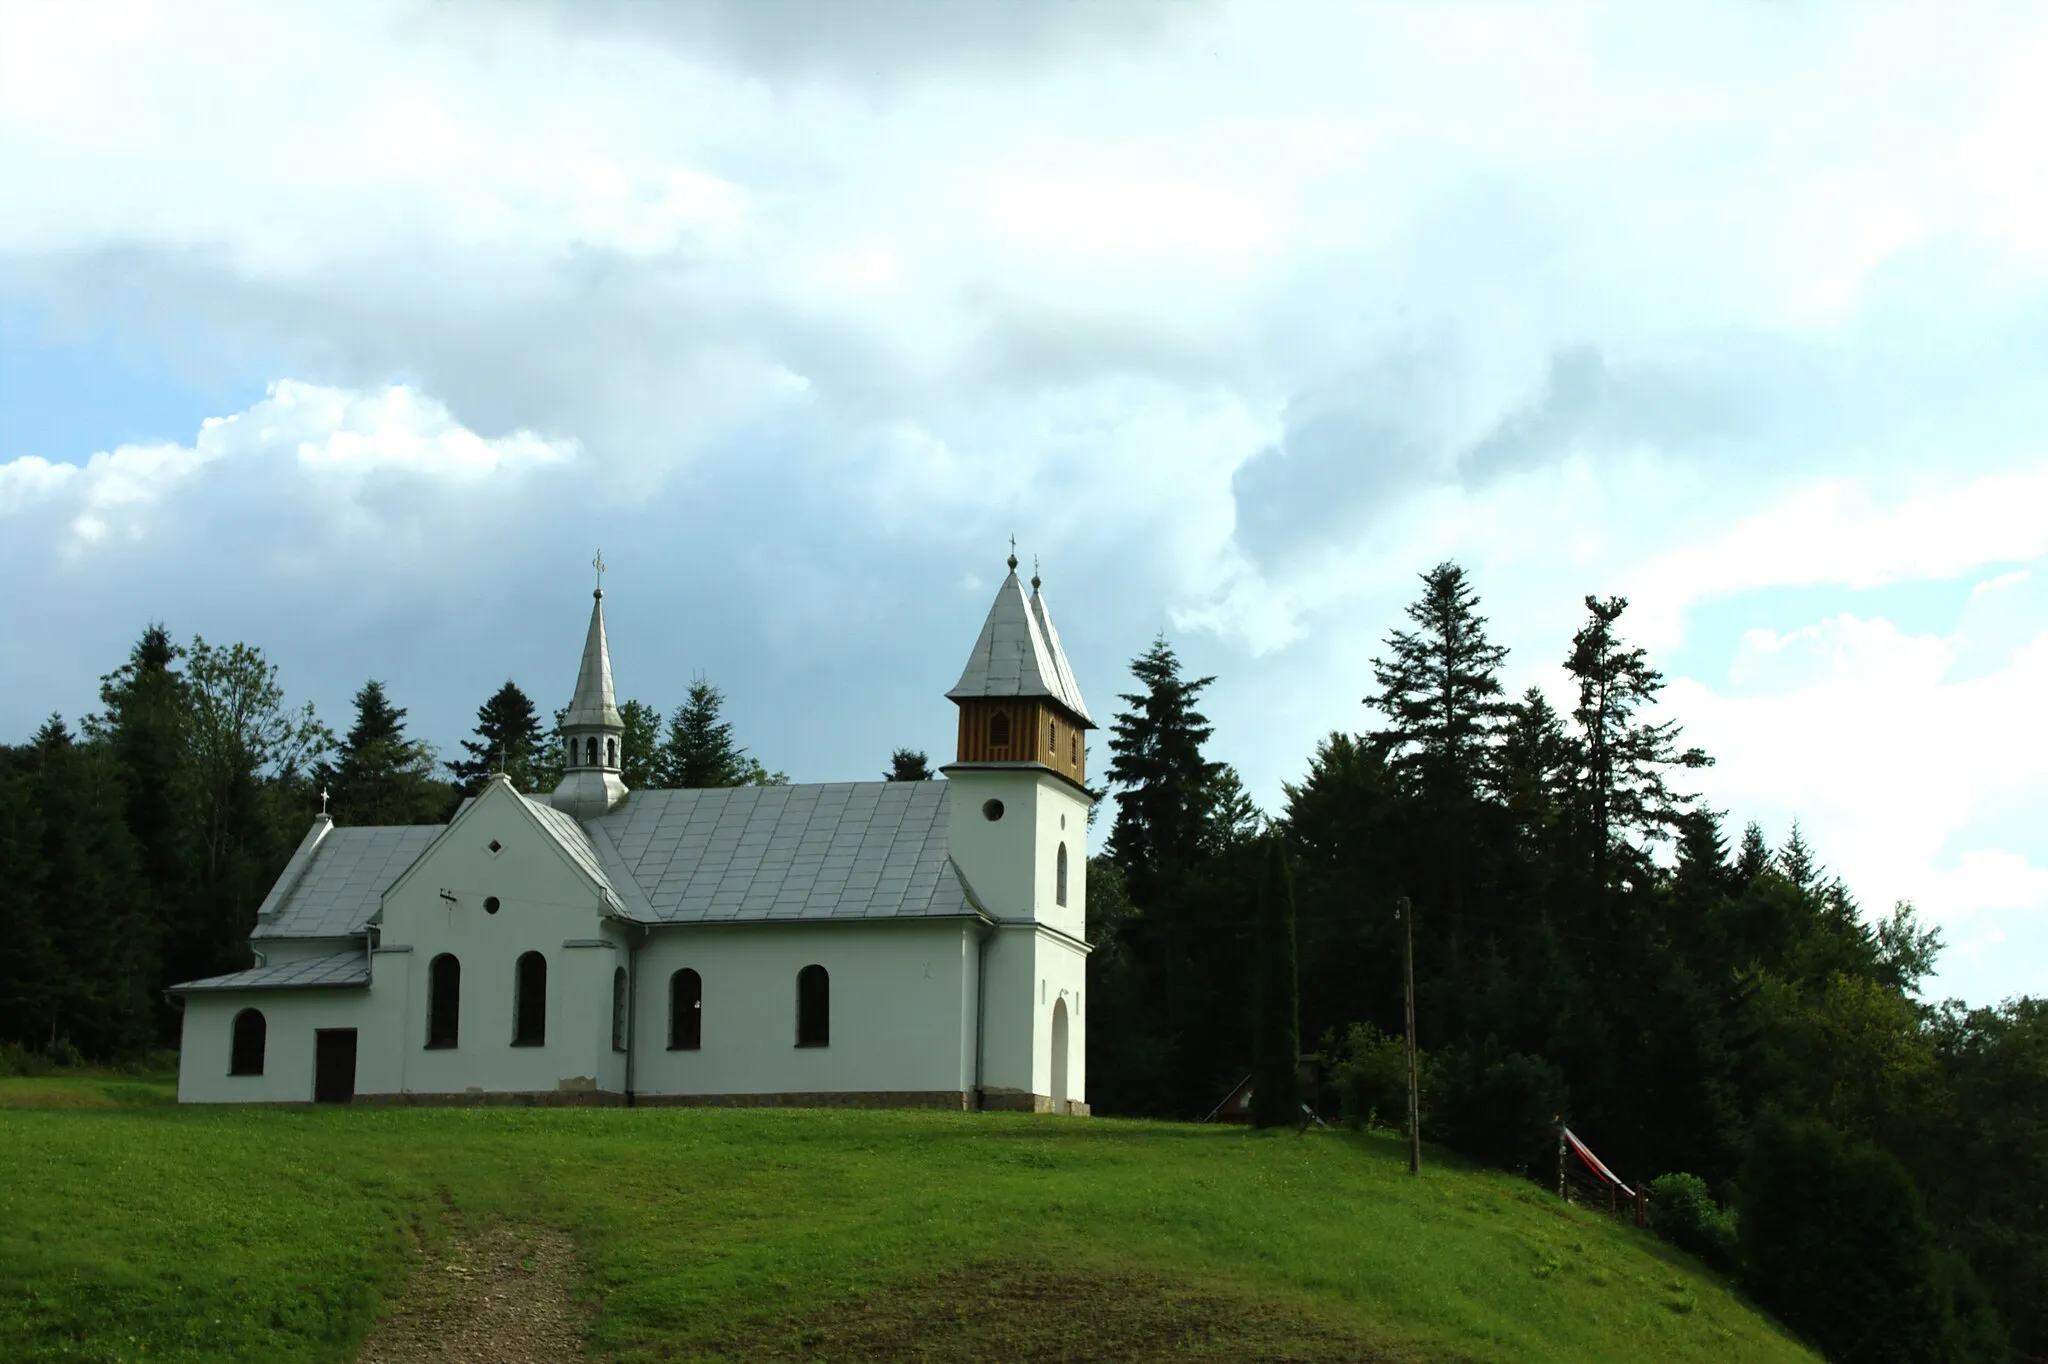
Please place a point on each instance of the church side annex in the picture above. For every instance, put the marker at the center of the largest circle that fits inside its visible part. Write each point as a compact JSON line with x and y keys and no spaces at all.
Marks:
{"x":883,"y":944}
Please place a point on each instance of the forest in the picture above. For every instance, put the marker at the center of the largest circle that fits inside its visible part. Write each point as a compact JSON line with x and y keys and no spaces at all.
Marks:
{"x":1713,"y":1010}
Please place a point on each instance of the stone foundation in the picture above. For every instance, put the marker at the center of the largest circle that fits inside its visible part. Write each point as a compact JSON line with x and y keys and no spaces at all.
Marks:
{"x":957,"y":1101}
{"x":546,"y":1098}
{"x":950,"y":1099}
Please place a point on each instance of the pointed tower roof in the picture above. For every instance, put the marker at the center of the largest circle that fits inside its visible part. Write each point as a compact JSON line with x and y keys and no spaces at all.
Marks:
{"x":1018,"y":654}
{"x":593,"y":703}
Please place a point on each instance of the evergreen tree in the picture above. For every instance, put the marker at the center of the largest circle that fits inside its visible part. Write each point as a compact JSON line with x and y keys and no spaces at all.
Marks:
{"x":147,"y":723}
{"x":1622,"y":757}
{"x":1752,"y":858}
{"x":382,"y":776}
{"x":1276,"y":997}
{"x":640,"y":760}
{"x":29,"y":975}
{"x":1439,"y":687}
{"x":508,"y":739}
{"x":700,"y":751}
{"x":1795,"y":861}
{"x":908,"y":764}
{"x":1166,"y":786}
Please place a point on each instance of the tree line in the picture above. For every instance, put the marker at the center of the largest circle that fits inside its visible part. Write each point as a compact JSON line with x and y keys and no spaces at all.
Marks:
{"x":1589,"y":948}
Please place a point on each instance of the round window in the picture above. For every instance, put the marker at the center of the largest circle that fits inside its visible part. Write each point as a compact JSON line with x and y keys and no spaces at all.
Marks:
{"x":992,"y":809}
{"x":490,"y":904}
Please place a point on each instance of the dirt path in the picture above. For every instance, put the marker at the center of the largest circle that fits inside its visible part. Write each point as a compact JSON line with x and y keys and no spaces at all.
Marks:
{"x":501,"y":1294}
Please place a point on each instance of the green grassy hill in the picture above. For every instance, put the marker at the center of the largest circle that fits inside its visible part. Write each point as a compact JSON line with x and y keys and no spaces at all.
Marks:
{"x":140,"y":1230}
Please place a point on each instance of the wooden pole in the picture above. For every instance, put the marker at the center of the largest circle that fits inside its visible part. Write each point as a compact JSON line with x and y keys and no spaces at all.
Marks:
{"x":1408,"y":985}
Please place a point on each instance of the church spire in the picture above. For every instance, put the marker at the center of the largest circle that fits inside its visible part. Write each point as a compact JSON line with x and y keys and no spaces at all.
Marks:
{"x":592,"y":731}
{"x":1017,"y":695}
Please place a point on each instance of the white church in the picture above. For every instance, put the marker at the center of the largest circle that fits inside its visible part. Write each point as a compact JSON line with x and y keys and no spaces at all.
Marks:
{"x":898,"y":944}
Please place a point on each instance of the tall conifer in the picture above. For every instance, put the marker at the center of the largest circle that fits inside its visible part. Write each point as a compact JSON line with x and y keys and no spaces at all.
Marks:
{"x":1276,"y":996}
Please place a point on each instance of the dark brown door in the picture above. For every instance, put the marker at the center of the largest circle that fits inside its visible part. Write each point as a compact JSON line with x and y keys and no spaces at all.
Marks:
{"x":334,"y":1065}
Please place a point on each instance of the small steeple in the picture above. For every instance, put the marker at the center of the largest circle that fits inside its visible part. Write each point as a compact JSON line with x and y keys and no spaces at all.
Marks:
{"x":592,"y":731}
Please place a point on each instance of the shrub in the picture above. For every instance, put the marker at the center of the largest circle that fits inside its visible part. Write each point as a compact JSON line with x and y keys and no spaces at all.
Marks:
{"x":1683,"y":1213}
{"x":1500,"y":1108}
{"x":1370,"y":1076}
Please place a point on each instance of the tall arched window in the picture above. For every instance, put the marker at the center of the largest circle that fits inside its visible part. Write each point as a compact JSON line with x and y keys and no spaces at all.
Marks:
{"x":611,"y":752}
{"x":999,"y":730}
{"x":571,"y":759}
{"x":619,"y":1008}
{"x":685,"y":1011}
{"x":1052,"y":736}
{"x":590,"y":752}
{"x":245,"y":1056}
{"x":444,"y":1000}
{"x":813,"y":1007}
{"x":1059,"y":877}
{"x":530,"y":1002}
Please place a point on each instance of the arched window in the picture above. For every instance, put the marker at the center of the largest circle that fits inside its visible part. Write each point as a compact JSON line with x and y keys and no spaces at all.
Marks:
{"x":1074,"y":740}
{"x":571,"y":759}
{"x":1059,"y":877}
{"x":590,"y":752}
{"x":444,"y":1000}
{"x":685,"y":1011}
{"x":245,"y":1057}
{"x":813,"y":1007}
{"x":619,"y":1008}
{"x":530,"y":1002}
{"x":611,"y":752}
{"x":1052,"y":736}
{"x":999,"y":730}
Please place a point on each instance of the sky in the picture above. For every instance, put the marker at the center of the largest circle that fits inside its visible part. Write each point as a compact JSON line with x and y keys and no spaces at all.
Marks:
{"x":354,"y":331}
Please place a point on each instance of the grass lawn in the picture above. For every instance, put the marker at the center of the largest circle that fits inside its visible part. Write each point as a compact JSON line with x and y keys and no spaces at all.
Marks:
{"x":134,"y":1229}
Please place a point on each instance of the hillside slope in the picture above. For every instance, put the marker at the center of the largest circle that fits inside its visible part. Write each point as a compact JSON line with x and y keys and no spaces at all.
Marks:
{"x":186,"y":1233}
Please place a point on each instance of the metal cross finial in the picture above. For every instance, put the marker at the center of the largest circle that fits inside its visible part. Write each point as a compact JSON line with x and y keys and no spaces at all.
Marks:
{"x":598,"y":564}
{"x":1013,"y":554}
{"x":323,"y":800}
{"x":1034,"y":573}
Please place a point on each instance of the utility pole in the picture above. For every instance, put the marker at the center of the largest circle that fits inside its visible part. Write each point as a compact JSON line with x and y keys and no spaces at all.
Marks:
{"x":1407,"y":913}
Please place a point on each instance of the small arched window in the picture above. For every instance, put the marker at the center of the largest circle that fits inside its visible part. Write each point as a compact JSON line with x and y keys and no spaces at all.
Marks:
{"x":590,"y":752}
{"x":245,"y":1056}
{"x":1059,"y":877}
{"x":571,"y":758}
{"x":813,"y":1007}
{"x":999,"y":730}
{"x":1052,"y":736}
{"x":619,"y":1008}
{"x":685,"y":1011}
{"x":611,"y":752}
{"x":530,"y":1002}
{"x":1074,"y":740}
{"x":444,"y":1000}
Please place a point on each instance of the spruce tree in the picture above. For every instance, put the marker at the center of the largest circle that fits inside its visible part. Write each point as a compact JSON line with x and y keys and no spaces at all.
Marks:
{"x":1753,"y":858}
{"x":1276,"y":997}
{"x":29,"y":976}
{"x":508,"y":739}
{"x":640,"y":762}
{"x":382,"y":776}
{"x":1622,"y":758}
{"x":700,"y":751}
{"x":1439,"y":687}
{"x":908,"y":764}
{"x":1166,"y":785}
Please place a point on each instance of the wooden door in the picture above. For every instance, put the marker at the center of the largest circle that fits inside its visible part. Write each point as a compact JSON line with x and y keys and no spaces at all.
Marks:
{"x":334,"y":1065}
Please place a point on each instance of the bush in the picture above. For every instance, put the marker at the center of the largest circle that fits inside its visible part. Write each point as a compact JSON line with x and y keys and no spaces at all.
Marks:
{"x":1834,"y":1241}
{"x":1683,"y":1213}
{"x":1498,"y":1108}
{"x":1370,"y":1076}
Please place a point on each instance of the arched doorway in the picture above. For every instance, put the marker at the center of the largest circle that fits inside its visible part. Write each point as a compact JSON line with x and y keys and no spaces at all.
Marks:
{"x":1059,"y":1056}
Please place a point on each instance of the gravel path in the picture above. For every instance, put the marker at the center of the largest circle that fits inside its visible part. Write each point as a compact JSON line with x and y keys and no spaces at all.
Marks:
{"x":503,"y":1294}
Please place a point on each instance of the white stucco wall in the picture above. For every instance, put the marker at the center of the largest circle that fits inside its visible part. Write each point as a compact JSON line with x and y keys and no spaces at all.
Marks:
{"x":290,"y":1018}
{"x":1012,"y":862}
{"x":545,"y":904}
{"x":1029,"y":970}
{"x":902,"y":1008}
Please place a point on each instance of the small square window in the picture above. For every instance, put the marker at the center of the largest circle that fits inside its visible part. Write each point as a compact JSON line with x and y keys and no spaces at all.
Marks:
{"x":496,"y":847}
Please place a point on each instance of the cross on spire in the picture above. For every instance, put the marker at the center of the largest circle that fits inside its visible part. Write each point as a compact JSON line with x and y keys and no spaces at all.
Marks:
{"x":1013,"y":554}
{"x":323,"y":800}
{"x":598,"y":564}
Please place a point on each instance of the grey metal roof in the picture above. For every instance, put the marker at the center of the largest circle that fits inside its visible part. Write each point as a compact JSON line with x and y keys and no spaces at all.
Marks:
{"x":593,"y":703}
{"x":340,"y":969}
{"x":342,"y":881}
{"x":844,"y":850}
{"x":1017,"y":655}
{"x":564,"y":829}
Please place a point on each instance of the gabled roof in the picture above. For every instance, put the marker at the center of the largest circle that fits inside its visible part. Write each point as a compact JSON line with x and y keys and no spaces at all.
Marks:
{"x":1018,"y":654}
{"x":342,"y":880}
{"x":339,"y":969}
{"x":593,"y":703}
{"x":844,"y":850}
{"x":558,"y":828}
